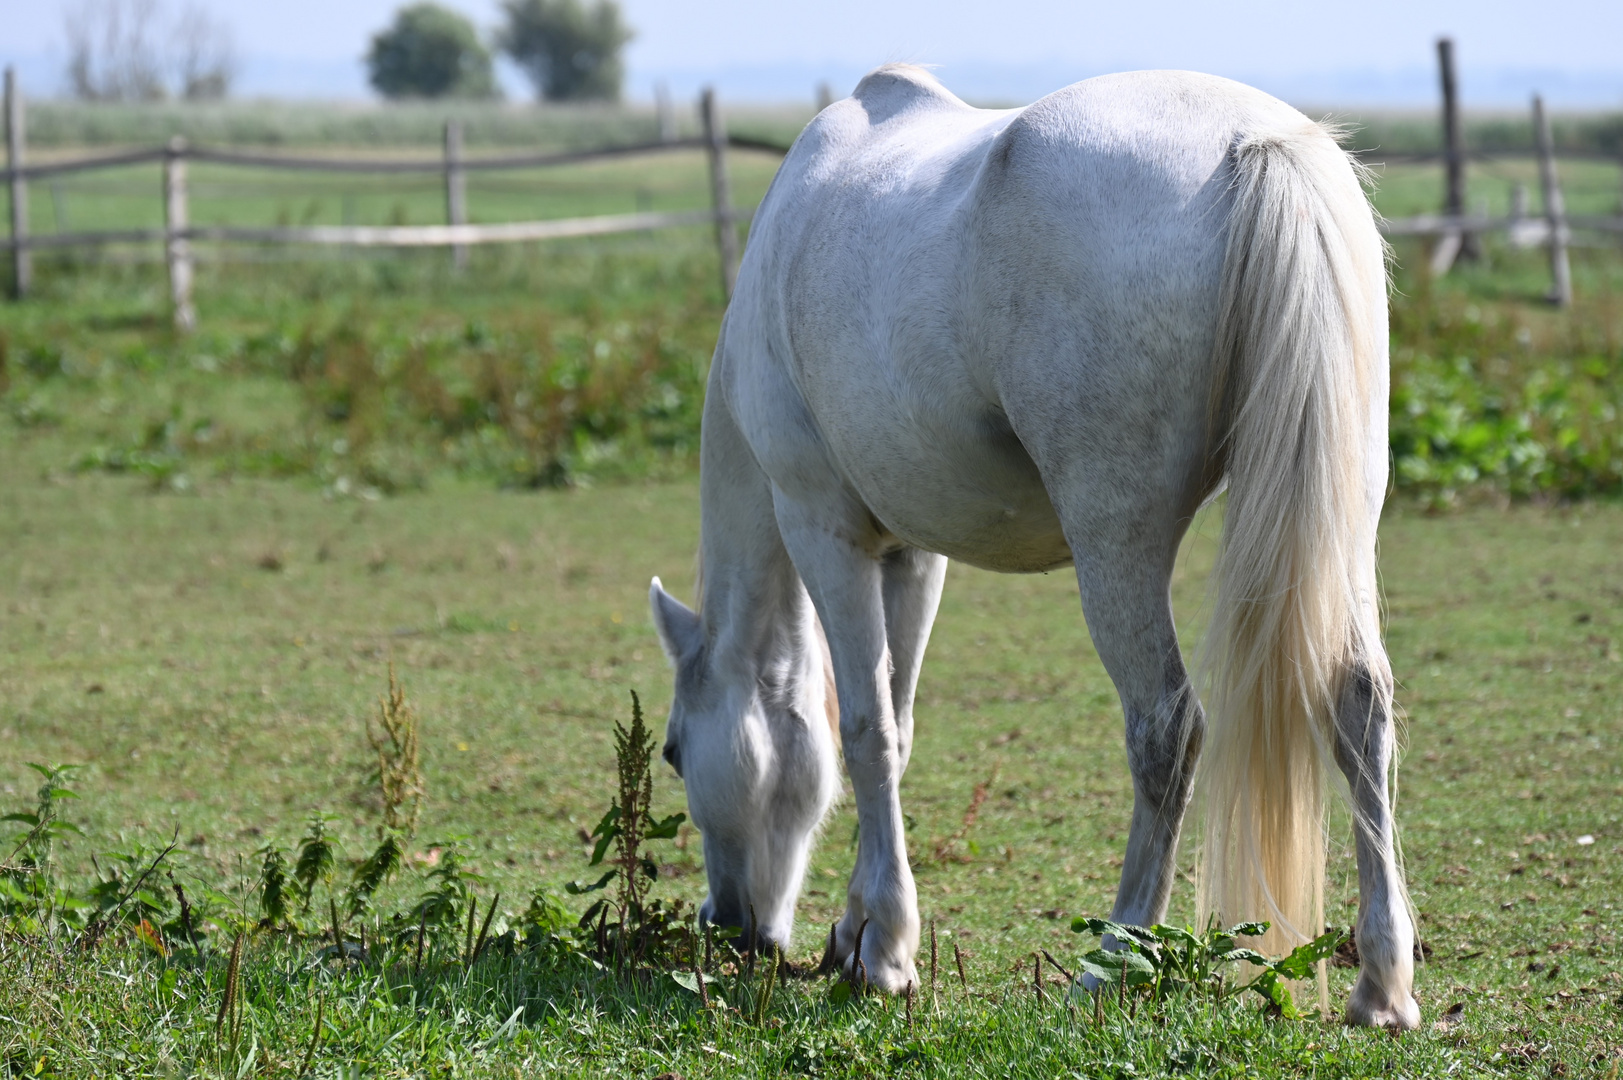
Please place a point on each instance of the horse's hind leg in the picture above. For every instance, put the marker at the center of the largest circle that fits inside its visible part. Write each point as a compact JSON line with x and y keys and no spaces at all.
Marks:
{"x":1382,"y":996}
{"x":1124,"y":584}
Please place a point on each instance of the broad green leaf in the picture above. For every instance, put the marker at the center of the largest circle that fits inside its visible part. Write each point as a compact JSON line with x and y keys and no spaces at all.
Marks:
{"x":1248,"y":929}
{"x":575,"y":888}
{"x":26,"y":819}
{"x":609,"y":818}
{"x":591,"y":912}
{"x":1298,"y":964}
{"x":1123,"y":932}
{"x":603,"y":842}
{"x":1271,"y":986}
{"x":1107,"y":967}
{"x":666,"y":829}
{"x":687,"y":981}
{"x":1179,"y":934}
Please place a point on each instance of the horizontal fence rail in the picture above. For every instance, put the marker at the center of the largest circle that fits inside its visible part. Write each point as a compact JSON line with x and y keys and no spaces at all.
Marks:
{"x":1377,"y":156}
{"x":1443,"y":224}
{"x":393,"y":235}
{"x":419,"y":166}
{"x":178,"y":234}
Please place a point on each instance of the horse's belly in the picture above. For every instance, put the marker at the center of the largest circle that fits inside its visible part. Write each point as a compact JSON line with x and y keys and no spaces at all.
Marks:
{"x":986,"y":508}
{"x":1008,"y":545}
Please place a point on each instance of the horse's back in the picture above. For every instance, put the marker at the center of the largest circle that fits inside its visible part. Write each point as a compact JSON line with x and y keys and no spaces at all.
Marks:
{"x":948,"y":304}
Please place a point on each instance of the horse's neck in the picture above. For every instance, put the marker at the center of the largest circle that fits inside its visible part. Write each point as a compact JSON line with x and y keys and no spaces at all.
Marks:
{"x":757,"y":617}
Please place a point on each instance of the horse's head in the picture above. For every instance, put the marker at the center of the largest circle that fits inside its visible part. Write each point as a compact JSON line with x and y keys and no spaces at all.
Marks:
{"x":747,"y":735}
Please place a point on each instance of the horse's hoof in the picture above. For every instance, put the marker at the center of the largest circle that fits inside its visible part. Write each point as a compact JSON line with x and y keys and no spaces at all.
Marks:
{"x":892,"y":978}
{"x":1370,"y":1006}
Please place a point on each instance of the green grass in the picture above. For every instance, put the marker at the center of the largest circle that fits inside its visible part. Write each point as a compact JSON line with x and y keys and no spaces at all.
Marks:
{"x":1590,"y":188}
{"x":225,"y":701}
{"x":129,"y":197}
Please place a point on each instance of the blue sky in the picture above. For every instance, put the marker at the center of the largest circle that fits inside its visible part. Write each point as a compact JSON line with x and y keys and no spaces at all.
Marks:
{"x":1372,"y":52}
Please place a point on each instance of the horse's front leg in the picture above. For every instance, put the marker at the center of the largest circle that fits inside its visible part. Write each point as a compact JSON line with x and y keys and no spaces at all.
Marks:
{"x":846,"y":583}
{"x":912,"y":589}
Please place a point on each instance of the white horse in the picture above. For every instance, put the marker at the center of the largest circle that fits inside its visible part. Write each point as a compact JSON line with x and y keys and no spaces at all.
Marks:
{"x":1028,"y":338}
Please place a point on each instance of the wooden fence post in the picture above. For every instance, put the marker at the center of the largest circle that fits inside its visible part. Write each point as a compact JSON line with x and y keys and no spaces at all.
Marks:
{"x":1456,"y":243}
{"x":177,"y":246}
{"x":715,"y":137}
{"x":22,"y":263}
{"x":1555,"y":208}
{"x":456,"y":190}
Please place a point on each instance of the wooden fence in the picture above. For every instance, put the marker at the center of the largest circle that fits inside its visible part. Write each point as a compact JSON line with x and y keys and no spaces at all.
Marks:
{"x":1454,"y":231}
{"x":178,"y":234}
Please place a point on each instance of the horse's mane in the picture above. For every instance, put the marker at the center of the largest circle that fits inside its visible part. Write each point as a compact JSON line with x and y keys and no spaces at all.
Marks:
{"x":831,"y":699}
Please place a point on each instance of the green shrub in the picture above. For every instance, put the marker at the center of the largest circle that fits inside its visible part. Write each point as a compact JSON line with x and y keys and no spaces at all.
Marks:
{"x":1477,"y":402}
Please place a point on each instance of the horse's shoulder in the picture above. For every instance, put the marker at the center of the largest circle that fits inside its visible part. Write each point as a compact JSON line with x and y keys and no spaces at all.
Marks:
{"x":896,"y":88}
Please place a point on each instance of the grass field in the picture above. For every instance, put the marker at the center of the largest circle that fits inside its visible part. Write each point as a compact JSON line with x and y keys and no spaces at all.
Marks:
{"x":205,"y":583}
{"x":212,"y":660}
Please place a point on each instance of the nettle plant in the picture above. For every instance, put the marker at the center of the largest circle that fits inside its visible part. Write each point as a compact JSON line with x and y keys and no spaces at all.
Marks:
{"x":1163,"y":961}
{"x":125,"y":895}
{"x":29,"y":893}
{"x":629,"y":929}
{"x":654,"y":940}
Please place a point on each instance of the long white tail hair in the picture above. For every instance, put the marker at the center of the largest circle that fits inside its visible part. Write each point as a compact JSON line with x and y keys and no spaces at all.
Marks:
{"x":1300,"y":402}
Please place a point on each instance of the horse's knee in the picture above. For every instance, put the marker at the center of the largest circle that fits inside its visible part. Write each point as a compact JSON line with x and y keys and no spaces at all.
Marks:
{"x":1364,"y":734}
{"x":1163,"y":745}
{"x":867,"y":738}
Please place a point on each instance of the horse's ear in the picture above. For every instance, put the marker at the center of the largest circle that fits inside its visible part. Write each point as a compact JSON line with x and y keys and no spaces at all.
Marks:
{"x":679,"y":631}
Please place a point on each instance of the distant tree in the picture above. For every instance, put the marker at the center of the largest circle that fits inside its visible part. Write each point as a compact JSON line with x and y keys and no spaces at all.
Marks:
{"x":430,"y":51}
{"x":570,"y":52}
{"x":205,"y":57}
{"x":136,"y":50}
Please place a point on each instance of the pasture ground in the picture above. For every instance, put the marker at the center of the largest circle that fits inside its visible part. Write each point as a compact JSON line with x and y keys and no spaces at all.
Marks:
{"x":209,"y":650}
{"x":211,"y":657}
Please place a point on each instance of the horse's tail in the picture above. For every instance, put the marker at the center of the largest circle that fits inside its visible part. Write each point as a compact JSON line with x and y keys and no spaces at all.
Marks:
{"x":1300,"y":408}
